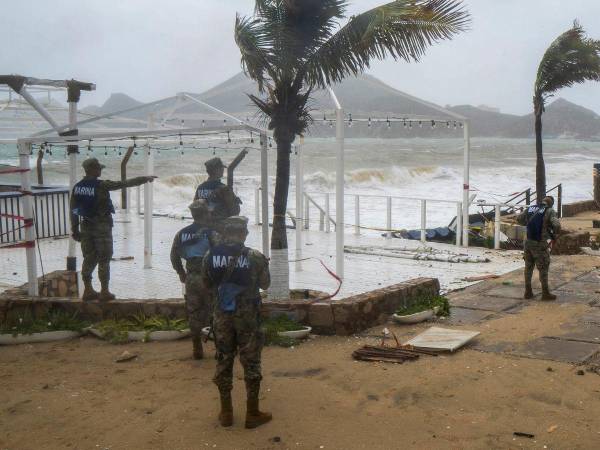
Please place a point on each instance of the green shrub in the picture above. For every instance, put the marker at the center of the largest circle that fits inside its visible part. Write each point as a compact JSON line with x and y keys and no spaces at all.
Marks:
{"x":54,"y":320}
{"x":274,"y":325}
{"x":426,"y":303}
{"x":117,"y":331}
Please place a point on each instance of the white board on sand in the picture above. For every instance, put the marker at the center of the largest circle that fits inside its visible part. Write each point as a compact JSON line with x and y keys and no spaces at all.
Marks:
{"x":436,"y":338}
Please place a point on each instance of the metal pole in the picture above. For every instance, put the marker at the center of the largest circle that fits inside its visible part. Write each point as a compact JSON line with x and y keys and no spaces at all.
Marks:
{"x":357,"y":215}
{"x":458,"y":223}
{"x":339,"y":193}
{"x":497,"y":228}
{"x":423,"y":220}
{"x":73,"y":150}
{"x":388,"y":235}
{"x":264,"y":185}
{"x":306,"y":213}
{"x":299,"y":194}
{"x":148,"y":207}
{"x":138,"y":200}
{"x":32,"y":281}
{"x":327,"y":214}
{"x":45,"y":114}
{"x":257,"y":206}
{"x":466,"y":186}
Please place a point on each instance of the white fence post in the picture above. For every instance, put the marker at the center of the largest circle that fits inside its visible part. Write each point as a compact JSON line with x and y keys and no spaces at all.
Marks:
{"x":306,"y":213}
{"x":138,"y":200}
{"x":327,"y":214}
{"x":389,"y":218}
{"x":257,"y":206}
{"x":497,"y":228}
{"x":148,"y":207}
{"x":30,"y":252}
{"x":458,"y":224}
{"x":423,"y":220}
{"x":357,"y":215}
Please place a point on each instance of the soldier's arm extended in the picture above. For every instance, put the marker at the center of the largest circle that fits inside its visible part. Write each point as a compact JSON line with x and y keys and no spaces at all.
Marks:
{"x":264,"y":276}
{"x":522,"y":217}
{"x":176,"y":259}
{"x":131,"y":182}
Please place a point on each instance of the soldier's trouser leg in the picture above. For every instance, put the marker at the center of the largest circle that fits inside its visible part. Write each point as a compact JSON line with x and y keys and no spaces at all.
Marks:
{"x":198,"y":302}
{"x":104,"y":249}
{"x":90,"y":256}
{"x":542,"y":261}
{"x":226,"y":345}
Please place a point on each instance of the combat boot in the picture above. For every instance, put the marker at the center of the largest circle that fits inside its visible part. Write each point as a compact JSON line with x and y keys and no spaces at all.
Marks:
{"x":198,"y":350}
{"x":528,"y":293}
{"x":89,"y":293}
{"x":255,"y":417}
{"x":547,"y":296}
{"x":105,"y":294}
{"x":226,"y":414}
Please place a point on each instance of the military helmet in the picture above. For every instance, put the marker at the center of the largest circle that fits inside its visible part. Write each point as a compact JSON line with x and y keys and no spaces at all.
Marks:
{"x":235,"y":224}
{"x":199,"y":206}
{"x":91,"y":163}
{"x":214,"y":163}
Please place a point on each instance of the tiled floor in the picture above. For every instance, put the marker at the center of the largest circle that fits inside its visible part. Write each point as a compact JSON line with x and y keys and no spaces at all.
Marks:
{"x":363,"y":272}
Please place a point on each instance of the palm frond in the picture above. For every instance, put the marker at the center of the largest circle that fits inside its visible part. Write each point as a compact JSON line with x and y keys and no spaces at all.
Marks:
{"x":571,"y":59}
{"x":403,"y":29}
{"x":251,"y":39}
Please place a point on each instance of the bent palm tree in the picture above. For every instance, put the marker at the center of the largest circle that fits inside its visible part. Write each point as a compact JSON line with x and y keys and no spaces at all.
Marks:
{"x":571,"y":59}
{"x":290,"y":47}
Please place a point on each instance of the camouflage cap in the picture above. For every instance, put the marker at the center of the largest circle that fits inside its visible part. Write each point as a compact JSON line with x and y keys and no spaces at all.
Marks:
{"x":235,"y":224}
{"x":214,"y":163}
{"x":199,"y":205}
{"x":91,"y":163}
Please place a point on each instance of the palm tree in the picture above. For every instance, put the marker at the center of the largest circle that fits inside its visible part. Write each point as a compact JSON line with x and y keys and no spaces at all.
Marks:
{"x":291,"y":47}
{"x":571,"y":59}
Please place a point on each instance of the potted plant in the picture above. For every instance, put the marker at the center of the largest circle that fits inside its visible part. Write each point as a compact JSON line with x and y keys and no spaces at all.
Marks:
{"x":141,"y":328}
{"x":284,"y":331}
{"x":54,"y":326}
{"x":423,"y":309}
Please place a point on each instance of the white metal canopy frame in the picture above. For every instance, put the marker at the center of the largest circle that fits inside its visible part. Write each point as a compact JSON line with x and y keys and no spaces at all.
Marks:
{"x":446,"y":117}
{"x":24,"y":146}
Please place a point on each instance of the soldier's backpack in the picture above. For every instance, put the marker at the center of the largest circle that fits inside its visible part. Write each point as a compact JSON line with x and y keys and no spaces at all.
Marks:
{"x":535,"y":222}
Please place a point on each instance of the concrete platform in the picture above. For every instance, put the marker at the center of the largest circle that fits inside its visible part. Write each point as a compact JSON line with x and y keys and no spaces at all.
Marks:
{"x":363,"y":272}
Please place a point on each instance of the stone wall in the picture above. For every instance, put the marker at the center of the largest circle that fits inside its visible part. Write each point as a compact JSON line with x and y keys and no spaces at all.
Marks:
{"x":571,"y":243}
{"x":342,"y":317}
{"x":572,"y":209}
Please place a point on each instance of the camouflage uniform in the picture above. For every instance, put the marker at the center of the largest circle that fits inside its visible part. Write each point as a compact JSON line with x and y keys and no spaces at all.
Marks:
{"x":96,"y":231}
{"x":199,"y":300}
{"x":222,"y":200}
{"x":537,"y":253}
{"x":239,"y":330}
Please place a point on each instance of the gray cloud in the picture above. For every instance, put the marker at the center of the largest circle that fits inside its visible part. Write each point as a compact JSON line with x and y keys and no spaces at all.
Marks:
{"x":152,"y":49}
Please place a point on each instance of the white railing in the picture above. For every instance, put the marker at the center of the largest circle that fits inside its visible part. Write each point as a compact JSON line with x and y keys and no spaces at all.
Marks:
{"x":326,"y":220}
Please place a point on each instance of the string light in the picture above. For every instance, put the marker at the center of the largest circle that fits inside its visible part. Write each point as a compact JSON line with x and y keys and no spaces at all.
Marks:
{"x":369,"y":123}
{"x":447,"y":124}
{"x":228,"y":138}
{"x":350,"y":121}
{"x":251,"y":138}
{"x":389,"y":124}
{"x":203,"y":123}
{"x":432,"y":124}
{"x":404,"y":123}
{"x":420,"y":124}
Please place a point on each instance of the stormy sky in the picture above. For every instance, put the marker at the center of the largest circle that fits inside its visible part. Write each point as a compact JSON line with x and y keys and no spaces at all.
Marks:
{"x":152,"y":49}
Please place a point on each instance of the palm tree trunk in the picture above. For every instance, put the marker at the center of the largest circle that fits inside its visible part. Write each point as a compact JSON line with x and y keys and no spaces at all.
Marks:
{"x":282,"y":184}
{"x":540,"y":167}
{"x":280,"y":277}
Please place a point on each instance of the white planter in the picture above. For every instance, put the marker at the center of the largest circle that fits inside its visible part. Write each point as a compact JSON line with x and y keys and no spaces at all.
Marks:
{"x":47,"y":336}
{"x":414,"y":318}
{"x":140,"y":336}
{"x":297,"y":334}
{"x":206,"y":331}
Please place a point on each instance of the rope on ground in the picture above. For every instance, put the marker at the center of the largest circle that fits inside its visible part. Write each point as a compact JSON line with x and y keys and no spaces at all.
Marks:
{"x":13,"y":170}
{"x":23,"y":244}
{"x":329,"y":271}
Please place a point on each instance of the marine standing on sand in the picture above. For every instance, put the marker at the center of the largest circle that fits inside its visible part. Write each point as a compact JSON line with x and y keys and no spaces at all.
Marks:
{"x":542,"y":226}
{"x":192,"y":243}
{"x":92,"y":210}
{"x":238,"y":273}
{"x":222,"y":202}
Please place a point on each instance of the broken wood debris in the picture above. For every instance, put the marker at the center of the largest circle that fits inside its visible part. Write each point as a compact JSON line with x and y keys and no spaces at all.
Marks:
{"x":389,"y":354}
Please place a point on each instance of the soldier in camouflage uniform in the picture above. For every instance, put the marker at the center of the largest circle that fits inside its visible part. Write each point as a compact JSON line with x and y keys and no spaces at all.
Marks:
{"x":191,"y":243}
{"x":92,"y":209}
{"x":542,"y":226}
{"x":238,"y":273}
{"x":222,"y":202}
